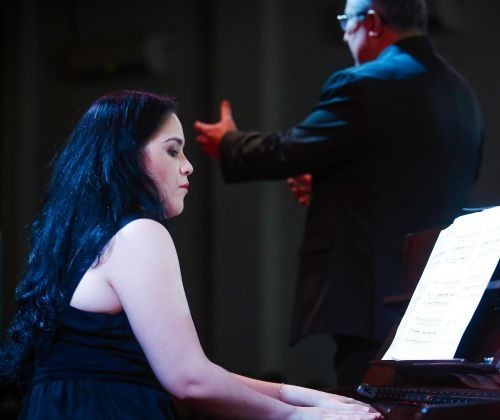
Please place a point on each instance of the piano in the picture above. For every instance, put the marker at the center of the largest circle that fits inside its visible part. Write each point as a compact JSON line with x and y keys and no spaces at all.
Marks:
{"x":465,"y":387}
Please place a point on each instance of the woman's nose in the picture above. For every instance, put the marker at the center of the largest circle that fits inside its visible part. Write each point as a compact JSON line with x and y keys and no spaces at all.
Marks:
{"x":187,"y":168}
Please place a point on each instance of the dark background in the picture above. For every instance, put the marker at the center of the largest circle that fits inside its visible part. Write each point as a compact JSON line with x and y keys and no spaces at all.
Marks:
{"x":237,"y":243}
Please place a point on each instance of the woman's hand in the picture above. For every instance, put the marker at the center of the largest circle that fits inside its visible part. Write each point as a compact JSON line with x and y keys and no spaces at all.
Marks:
{"x":341,"y":403}
{"x":336,"y":405}
{"x":314,"y":413}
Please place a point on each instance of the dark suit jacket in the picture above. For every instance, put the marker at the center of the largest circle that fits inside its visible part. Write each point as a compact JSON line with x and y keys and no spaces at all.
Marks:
{"x":393,"y":146}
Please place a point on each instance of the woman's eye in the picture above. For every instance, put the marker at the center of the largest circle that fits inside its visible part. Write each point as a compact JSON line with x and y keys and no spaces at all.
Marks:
{"x":173,"y":152}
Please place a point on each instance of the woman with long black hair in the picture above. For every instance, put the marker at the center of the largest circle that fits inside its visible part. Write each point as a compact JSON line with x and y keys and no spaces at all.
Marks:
{"x":103,"y":328}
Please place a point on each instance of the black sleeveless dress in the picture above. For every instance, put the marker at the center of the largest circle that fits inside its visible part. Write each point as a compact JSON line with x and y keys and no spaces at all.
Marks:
{"x":94,"y":368}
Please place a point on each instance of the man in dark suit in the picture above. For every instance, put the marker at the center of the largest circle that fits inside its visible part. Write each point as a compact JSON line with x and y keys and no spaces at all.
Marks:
{"x":393,"y":147}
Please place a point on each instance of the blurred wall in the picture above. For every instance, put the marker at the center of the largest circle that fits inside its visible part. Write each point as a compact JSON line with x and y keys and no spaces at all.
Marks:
{"x":237,"y":243}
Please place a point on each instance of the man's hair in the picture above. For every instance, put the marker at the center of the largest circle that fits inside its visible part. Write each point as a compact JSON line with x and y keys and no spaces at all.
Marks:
{"x":403,"y":14}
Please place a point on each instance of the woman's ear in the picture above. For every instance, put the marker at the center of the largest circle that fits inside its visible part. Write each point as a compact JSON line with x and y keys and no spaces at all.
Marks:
{"x":375,"y":26}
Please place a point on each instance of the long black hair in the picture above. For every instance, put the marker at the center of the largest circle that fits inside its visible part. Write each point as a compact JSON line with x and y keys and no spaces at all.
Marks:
{"x":97,"y":179}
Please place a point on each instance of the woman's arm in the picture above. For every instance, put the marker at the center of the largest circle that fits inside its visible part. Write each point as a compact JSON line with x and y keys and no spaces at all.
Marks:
{"x":142,"y":267}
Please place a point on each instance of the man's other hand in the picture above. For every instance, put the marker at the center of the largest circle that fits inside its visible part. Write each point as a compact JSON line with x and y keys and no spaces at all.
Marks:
{"x":209,"y":136}
{"x":301,"y":188}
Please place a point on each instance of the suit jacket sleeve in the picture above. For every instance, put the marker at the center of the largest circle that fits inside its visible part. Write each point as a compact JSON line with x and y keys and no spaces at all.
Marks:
{"x":335,"y":131}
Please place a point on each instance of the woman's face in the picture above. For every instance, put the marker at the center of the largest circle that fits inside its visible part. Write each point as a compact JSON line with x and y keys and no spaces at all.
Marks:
{"x":165,"y":162}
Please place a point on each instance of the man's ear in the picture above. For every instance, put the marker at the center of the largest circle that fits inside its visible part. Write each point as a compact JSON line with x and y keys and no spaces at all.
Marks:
{"x":375,"y":25}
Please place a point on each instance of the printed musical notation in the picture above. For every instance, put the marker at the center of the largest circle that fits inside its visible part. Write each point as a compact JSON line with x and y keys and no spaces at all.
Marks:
{"x":450,"y":288}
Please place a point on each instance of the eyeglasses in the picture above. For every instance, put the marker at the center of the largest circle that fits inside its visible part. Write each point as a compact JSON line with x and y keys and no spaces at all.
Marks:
{"x":344,"y":19}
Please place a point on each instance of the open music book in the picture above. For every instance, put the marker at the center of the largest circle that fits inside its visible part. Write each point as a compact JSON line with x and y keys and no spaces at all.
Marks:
{"x":450,"y":288}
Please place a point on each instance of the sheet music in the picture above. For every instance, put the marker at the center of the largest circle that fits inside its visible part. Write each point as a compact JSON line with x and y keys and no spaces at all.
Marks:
{"x":450,"y":288}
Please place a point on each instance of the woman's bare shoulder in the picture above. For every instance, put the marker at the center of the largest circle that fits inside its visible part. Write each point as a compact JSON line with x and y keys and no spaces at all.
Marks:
{"x":138,"y":242}
{"x":143,"y":231}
